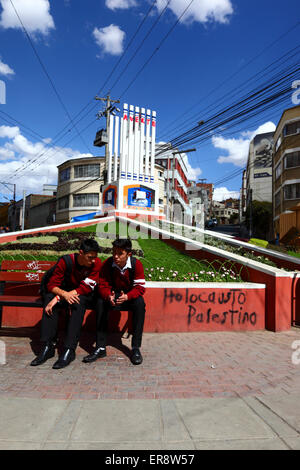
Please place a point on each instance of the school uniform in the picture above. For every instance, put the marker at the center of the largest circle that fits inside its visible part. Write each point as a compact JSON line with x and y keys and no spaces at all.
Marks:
{"x":84,"y":280}
{"x":115,"y":279}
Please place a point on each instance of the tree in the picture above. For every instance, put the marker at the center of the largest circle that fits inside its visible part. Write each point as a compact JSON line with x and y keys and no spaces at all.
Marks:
{"x":261,"y":219}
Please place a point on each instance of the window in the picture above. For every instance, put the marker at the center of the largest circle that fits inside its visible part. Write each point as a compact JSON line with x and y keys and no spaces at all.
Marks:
{"x":292,"y":160}
{"x":87,"y":171}
{"x":291,"y":128}
{"x":292,"y":191}
{"x":278,"y":171}
{"x":64,"y":175}
{"x":277,"y":199}
{"x":63,"y":202}
{"x":278,"y":142}
{"x":86,"y":200}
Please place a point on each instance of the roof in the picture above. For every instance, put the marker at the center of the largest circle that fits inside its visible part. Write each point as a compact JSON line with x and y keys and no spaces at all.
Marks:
{"x":71,"y":160}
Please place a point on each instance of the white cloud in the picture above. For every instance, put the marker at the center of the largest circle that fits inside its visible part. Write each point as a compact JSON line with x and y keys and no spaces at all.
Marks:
{"x":10,"y":132}
{"x":238,"y":148}
{"x":202,"y":11}
{"x":5,"y":69}
{"x":220,"y":194}
{"x":193,"y":173}
{"x":17,"y":151}
{"x":35,"y":15}
{"x":110,"y":39}
{"x":120,"y":4}
{"x":6,"y":154}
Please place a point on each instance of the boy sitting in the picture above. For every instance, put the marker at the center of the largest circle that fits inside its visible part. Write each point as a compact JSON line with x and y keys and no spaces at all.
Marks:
{"x":121,"y":286}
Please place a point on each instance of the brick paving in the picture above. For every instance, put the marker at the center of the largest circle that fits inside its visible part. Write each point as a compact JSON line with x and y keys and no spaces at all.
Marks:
{"x":176,"y":365}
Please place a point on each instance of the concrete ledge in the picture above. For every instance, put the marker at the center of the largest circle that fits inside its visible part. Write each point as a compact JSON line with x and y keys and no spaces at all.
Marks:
{"x":176,"y":307}
{"x":282,"y":287}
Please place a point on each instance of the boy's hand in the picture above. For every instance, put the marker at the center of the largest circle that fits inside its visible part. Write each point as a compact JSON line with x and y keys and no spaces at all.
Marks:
{"x":71,"y":297}
{"x":111,"y":299}
{"x":122,"y":298}
{"x":48,"y":308}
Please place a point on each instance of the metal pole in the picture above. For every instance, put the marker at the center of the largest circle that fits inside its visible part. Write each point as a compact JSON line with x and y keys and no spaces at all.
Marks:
{"x":14,"y":210}
{"x":250,"y":215}
{"x":23,"y":209}
{"x":168,"y":188}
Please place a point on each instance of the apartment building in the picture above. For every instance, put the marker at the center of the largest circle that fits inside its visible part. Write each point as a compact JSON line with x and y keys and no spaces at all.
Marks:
{"x":79,"y":187}
{"x":286,"y":165}
{"x":225,"y":213}
{"x":200,"y":196}
{"x":259,"y":168}
{"x":176,"y":183}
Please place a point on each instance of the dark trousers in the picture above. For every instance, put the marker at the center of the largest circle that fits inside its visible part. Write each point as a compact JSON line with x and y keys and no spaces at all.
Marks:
{"x":50,"y":322}
{"x":136,"y":306}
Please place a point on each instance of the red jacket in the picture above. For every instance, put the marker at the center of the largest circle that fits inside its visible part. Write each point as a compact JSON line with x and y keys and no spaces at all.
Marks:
{"x":114,"y":279}
{"x":83,"y":279}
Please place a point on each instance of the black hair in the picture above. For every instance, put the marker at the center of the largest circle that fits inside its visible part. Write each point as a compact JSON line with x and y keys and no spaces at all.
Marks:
{"x":89,"y":244}
{"x":123,"y":243}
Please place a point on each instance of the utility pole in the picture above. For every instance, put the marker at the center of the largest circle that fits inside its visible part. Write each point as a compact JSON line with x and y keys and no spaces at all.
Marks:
{"x":23,"y":209}
{"x":109,"y":108}
{"x":250,"y":214}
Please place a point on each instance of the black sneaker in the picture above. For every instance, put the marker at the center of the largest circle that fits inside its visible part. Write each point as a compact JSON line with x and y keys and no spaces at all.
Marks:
{"x":136,"y":357}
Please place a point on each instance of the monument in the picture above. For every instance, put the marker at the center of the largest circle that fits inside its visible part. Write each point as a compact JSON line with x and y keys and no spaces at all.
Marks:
{"x":130,"y":187}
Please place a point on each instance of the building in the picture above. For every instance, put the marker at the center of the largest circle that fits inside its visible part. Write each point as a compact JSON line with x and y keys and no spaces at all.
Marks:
{"x":225,"y":213}
{"x":4,"y":206}
{"x":17,"y":211}
{"x":286,"y":166}
{"x":200,"y":196}
{"x":43,"y":214}
{"x":259,"y":168}
{"x":79,"y":187}
{"x":175,"y":175}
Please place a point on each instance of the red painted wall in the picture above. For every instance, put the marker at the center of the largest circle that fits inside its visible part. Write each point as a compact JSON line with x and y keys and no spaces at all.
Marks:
{"x":282,"y":307}
{"x":176,"y":309}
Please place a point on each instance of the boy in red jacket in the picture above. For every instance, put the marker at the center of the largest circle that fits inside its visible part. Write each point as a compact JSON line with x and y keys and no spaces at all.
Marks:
{"x":121,"y":288}
{"x":73,"y":290}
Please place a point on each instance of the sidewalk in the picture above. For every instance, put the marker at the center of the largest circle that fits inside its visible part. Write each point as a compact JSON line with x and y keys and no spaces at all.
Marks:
{"x":225,"y":390}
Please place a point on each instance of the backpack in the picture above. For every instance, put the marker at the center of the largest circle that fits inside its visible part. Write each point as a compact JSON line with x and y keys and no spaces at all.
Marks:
{"x":68,"y":259}
{"x":131,"y":270}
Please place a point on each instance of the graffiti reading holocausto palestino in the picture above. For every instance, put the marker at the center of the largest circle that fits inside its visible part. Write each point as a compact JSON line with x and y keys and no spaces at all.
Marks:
{"x":234,"y":299}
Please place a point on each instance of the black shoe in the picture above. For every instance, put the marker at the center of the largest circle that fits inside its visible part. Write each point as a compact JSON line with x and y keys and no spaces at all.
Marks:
{"x":47,"y":352}
{"x":97,"y":354}
{"x":136,"y":357}
{"x":65,"y":359}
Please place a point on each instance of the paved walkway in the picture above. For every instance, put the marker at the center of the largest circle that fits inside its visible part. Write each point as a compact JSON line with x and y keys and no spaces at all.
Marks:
{"x":222,"y":390}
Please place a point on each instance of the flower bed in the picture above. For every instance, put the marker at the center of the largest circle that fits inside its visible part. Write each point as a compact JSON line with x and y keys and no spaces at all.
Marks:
{"x":161,"y":263}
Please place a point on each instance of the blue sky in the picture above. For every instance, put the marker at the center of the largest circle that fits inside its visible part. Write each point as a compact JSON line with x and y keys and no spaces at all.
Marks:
{"x":75,"y":45}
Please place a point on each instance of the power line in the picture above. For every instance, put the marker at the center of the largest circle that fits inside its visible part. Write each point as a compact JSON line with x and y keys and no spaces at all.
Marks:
{"x":65,"y":130}
{"x":236,"y":73}
{"x":156,"y":50}
{"x":47,"y":74}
